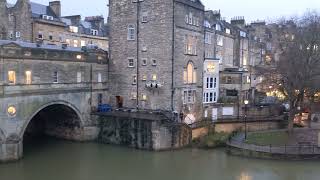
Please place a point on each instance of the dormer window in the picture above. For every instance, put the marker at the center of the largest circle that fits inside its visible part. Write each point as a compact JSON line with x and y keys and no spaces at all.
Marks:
{"x":94,"y":32}
{"x":218,"y":27}
{"x":46,"y":17}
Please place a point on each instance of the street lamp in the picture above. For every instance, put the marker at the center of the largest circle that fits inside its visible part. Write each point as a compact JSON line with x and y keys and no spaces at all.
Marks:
{"x":246,"y":103}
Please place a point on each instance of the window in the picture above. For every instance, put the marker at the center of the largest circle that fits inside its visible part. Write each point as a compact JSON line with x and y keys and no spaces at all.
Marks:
{"x":144,"y":77}
{"x":219,"y":40}
{"x":144,"y":62}
{"x":154,"y":62}
{"x":154,"y":77}
{"x":12,"y":77}
{"x":131,"y":33}
{"x":73,"y":29}
{"x":228,"y":31}
{"x":94,"y":32}
{"x":50,"y":37}
{"x":55,"y":77}
{"x":218,"y":27}
{"x":208,"y":97}
{"x":189,"y":96}
{"x":190,"y":75}
{"x":11,"y":34}
{"x":40,"y":36}
{"x":18,"y":34}
{"x":191,"y":45}
{"x":144,"y":17}
{"x":79,"y":74}
{"x":68,"y":42}
{"x":100,"y":98}
{"x":75,"y":43}
{"x":243,"y":34}
{"x":130,"y":63}
{"x":208,"y":38}
{"x":210,"y":84}
{"x":134,"y":79}
{"x":83,"y":43}
{"x":133,"y":95}
{"x":99,"y":78}
{"x":228,"y":80}
{"x":144,"y":97}
{"x":28,"y":75}
{"x":232,"y":93}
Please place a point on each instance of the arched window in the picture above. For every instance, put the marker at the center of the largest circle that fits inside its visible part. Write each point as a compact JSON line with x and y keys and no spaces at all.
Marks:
{"x":190,"y":75}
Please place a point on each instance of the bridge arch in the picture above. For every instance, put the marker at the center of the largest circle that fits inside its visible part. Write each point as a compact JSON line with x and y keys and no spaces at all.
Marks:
{"x":58,"y":112}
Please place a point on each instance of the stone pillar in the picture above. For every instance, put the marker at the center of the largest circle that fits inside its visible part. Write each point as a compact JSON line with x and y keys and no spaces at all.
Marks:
{"x":11,"y":151}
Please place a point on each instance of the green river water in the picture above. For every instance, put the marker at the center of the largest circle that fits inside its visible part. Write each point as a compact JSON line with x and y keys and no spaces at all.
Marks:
{"x":52,"y":159}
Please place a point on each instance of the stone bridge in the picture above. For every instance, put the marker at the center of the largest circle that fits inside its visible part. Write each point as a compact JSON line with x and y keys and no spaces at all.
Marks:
{"x":48,"y":90}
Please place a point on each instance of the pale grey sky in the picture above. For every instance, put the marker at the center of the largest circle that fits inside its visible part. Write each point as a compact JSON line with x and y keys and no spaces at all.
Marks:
{"x":251,"y":9}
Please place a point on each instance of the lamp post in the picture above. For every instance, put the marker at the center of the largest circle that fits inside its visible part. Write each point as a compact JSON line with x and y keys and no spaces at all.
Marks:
{"x":246,"y":103}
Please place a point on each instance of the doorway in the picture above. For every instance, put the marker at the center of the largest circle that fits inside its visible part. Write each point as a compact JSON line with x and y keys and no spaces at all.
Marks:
{"x":119,"y":101}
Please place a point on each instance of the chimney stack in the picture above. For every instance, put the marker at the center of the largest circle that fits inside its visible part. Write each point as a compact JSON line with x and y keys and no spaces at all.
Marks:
{"x":56,"y":7}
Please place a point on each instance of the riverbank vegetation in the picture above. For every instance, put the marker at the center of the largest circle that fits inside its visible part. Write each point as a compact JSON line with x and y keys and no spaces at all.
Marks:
{"x":212,"y":140}
{"x":278,"y":138}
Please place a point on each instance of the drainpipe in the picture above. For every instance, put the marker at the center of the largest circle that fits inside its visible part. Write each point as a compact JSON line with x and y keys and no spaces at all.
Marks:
{"x":173,"y":54}
{"x":91,"y":74}
{"x":138,"y":17}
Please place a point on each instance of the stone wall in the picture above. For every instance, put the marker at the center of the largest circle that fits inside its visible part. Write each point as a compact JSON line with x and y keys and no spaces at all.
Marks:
{"x":143,"y":133}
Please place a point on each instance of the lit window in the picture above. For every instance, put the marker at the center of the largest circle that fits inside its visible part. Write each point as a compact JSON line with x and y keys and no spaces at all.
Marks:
{"x":133,"y":95}
{"x":191,"y":45}
{"x":28,"y":77}
{"x":83,"y":43}
{"x":12,"y":77}
{"x":75,"y":43}
{"x":144,"y":97}
{"x":144,"y":77}
{"x":79,"y":56}
{"x":131,"y":33}
{"x":79,"y":76}
{"x":154,"y":77}
{"x":190,"y":75}
{"x":74,"y":29}
{"x":68,"y":42}
{"x":55,"y":77}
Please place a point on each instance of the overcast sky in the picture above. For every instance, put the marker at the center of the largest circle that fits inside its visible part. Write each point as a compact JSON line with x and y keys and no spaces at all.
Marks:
{"x":251,"y":9}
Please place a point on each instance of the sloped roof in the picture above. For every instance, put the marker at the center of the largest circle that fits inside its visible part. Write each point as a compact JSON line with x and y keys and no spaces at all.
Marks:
{"x":40,"y":9}
{"x":34,"y":45}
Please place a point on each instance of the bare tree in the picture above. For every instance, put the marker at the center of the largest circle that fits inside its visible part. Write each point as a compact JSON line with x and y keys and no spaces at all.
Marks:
{"x":297,"y":73}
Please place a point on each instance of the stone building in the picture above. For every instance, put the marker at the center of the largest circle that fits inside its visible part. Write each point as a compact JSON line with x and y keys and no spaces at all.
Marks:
{"x":32,"y":22}
{"x":156,"y":54}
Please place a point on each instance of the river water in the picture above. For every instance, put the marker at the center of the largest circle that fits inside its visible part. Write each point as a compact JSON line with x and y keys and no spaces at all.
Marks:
{"x":52,"y":159}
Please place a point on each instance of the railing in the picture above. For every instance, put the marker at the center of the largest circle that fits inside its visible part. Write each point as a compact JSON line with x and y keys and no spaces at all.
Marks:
{"x":301,"y":149}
